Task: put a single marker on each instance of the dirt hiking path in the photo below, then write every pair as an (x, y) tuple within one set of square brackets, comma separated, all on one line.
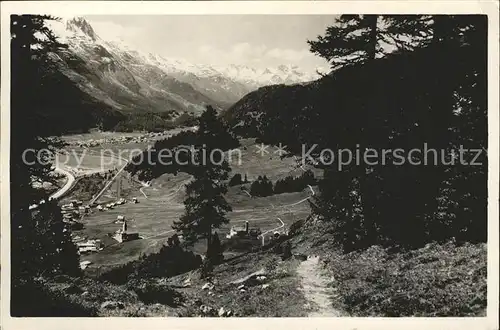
[(315, 289)]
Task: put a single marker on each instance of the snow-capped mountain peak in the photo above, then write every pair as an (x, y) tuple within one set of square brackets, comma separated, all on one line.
[(253, 77), (79, 25), (155, 80)]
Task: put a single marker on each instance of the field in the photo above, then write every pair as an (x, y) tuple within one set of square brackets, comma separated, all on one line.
[(269, 163), (153, 217), (161, 204), (85, 161)]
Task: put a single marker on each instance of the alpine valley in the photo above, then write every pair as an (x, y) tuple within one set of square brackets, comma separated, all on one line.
[(119, 81)]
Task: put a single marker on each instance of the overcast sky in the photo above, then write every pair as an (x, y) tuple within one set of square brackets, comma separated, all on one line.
[(254, 40)]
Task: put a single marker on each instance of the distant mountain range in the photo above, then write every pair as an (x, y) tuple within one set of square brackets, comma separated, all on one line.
[(130, 81)]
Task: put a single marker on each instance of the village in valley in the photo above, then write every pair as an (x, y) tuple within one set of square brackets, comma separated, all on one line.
[(95, 192)]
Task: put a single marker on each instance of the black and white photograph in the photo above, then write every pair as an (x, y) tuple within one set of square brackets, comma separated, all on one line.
[(235, 165)]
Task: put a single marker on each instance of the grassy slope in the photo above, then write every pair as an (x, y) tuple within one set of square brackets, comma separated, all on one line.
[(437, 280), (153, 217), (280, 298), (89, 295)]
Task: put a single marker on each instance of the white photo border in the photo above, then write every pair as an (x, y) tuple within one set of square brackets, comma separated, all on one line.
[(81, 8)]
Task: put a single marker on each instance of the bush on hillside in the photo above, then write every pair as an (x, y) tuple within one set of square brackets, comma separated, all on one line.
[(151, 292), (207, 268), (295, 227), (242, 244)]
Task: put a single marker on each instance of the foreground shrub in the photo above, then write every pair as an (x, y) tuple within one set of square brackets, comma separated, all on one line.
[(242, 244), (151, 292), (35, 299), (169, 261), (437, 280)]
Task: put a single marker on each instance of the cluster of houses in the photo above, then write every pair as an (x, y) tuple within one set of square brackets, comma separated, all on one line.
[(112, 205), (246, 232), (75, 210), (86, 246), (243, 231), (119, 139), (72, 212)]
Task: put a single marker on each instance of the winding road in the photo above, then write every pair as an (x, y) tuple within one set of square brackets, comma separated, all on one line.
[(67, 186), (64, 189), (71, 182), (181, 185)]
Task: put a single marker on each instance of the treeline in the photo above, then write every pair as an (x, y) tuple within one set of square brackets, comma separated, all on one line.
[(179, 148), (147, 121), (430, 91), (292, 184), (263, 187)]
